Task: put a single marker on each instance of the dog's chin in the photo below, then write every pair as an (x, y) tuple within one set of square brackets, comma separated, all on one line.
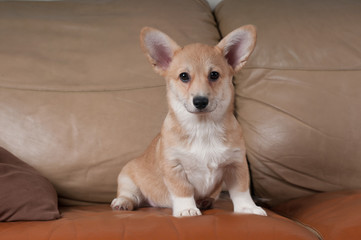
[(196, 111), (200, 112)]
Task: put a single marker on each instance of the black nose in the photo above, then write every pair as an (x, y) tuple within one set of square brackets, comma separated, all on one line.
[(200, 102)]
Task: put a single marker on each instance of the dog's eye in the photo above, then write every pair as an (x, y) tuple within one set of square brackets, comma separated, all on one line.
[(213, 76), (184, 77)]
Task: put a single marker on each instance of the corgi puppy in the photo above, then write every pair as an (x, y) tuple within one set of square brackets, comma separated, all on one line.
[(200, 145)]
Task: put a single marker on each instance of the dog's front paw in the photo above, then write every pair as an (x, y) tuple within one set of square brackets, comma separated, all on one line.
[(187, 212), (122, 203), (250, 210)]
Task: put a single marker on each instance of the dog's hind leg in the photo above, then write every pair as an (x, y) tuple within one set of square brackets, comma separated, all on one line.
[(129, 196)]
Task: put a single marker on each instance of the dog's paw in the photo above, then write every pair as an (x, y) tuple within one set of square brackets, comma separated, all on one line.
[(190, 212), (251, 210), (122, 204)]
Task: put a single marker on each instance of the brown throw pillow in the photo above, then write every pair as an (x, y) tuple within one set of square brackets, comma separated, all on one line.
[(24, 193)]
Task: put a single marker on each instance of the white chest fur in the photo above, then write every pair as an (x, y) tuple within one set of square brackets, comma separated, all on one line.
[(204, 156)]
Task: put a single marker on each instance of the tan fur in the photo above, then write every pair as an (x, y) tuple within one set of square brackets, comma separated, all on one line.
[(167, 174)]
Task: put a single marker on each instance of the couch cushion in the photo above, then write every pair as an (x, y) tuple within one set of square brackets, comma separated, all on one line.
[(25, 194), (78, 98), (100, 222), (298, 98), (334, 215)]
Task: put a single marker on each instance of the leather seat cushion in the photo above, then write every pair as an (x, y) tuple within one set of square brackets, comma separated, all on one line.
[(333, 215), (100, 222)]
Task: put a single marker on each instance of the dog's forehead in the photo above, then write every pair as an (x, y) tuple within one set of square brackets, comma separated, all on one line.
[(200, 54)]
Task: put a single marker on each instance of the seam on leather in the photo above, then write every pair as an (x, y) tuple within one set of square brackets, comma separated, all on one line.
[(69, 90), (303, 225), (309, 228), (303, 69)]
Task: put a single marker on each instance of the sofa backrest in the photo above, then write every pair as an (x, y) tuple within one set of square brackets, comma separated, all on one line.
[(78, 99), (299, 96)]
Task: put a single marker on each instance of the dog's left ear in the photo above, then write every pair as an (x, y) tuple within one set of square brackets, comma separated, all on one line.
[(238, 45), (158, 47)]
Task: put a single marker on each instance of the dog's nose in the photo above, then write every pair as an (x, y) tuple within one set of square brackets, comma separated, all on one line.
[(200, 102)]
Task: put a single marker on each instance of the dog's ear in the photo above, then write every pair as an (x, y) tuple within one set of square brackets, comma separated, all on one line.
[(158, 47), (238, 45)]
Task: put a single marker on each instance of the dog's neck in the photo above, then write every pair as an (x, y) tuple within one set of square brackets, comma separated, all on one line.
[(193, 127)]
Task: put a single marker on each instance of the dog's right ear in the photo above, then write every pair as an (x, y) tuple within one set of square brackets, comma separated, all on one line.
[(158, 47)]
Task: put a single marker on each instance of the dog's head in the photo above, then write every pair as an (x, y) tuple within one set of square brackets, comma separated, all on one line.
[(199, 77)]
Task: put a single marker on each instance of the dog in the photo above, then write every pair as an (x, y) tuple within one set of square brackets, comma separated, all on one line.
[(200, 145)]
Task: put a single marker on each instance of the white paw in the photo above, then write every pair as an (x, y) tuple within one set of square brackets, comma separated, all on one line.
[(251, 210), (122, 204), (187, 212)]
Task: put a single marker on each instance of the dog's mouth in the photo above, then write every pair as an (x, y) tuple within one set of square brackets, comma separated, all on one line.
[(200, 111)]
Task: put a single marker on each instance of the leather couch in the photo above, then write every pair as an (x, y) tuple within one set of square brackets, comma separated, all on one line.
[(78, 100)]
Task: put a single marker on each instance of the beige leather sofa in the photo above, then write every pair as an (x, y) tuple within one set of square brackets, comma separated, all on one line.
[(78, 100)]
